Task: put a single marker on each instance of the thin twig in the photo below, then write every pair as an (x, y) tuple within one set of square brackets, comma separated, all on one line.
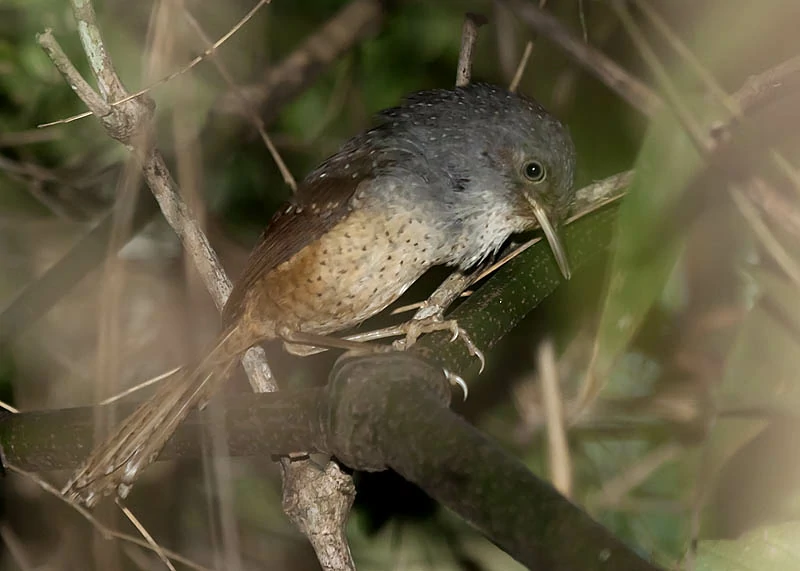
[(523, 62), (582, 16), (291, 76), (130, 123), (764, 86), (8, 407), (469, 36), (74, 79), (326, 533)]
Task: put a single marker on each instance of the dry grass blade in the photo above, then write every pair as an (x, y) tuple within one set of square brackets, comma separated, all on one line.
[(251, 112), (140, 386), (693, 128), (8, 407), (99, 526), (560, 462), (146, 534), (523, 62)]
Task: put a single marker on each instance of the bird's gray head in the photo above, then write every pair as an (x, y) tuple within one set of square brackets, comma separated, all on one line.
[(507, 162)]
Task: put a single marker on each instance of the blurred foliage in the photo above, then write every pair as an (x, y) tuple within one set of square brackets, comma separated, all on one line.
[(707, 317), (773, 548)]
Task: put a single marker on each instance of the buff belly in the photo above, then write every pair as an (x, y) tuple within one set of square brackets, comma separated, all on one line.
[(351, 273)]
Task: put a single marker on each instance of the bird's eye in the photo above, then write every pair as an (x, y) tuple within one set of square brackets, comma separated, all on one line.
[(534, 171)]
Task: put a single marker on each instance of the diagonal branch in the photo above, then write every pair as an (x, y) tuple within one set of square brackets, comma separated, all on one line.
[(130, 122), (633, 90), (281, 83)]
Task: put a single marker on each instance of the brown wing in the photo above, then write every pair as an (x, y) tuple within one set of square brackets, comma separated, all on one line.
[(322, 200)]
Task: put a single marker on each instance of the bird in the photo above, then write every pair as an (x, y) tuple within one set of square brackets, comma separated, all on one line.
[(442, 179)]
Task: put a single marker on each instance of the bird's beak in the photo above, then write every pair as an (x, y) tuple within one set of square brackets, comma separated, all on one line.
[(552, 237)]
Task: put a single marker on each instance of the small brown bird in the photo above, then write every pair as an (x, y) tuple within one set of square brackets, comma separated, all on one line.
[(444, 179)]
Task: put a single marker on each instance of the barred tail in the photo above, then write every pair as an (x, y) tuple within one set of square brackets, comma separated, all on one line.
[(115, 463)]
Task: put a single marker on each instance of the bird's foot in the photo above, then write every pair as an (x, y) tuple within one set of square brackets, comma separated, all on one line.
[(416, 327)]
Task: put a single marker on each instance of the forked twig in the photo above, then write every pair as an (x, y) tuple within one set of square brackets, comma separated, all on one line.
[(102, 64)]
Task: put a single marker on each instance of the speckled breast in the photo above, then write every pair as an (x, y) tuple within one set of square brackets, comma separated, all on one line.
[(351, 273)]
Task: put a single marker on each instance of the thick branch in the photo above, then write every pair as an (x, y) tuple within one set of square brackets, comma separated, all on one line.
[(272, 423), (380, 411), (384, 409)]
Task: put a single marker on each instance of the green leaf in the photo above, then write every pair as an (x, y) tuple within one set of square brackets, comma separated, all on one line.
[(665, 165)]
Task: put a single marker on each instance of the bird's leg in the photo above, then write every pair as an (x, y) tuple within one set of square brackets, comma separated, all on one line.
[(356, 341), (428, 319), (305, 344)]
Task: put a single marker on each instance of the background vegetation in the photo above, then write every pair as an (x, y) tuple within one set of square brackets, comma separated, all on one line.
[(695, 346)]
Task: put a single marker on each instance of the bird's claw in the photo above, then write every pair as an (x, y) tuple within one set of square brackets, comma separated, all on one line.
[(456, 330), (458, 381)]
